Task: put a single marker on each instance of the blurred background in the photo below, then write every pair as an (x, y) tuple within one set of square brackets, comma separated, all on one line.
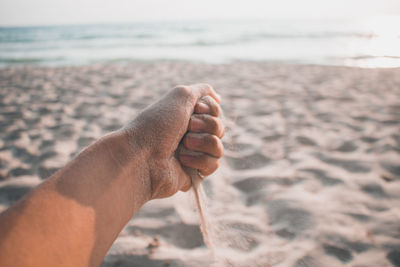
[(311, 94), (362, 33)]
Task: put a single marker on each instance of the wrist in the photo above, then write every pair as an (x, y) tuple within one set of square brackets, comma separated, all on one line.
[(124, 149)]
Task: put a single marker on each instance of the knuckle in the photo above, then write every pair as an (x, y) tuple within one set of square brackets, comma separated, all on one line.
[(212, 167), (222, 133), (182, 90), (217, 147), (207, 86), (214, 125), (219, 129), (217, 110), (213, 140), (220, 149)]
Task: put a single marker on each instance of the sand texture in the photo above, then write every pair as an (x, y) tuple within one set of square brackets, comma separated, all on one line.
[(310, 175)]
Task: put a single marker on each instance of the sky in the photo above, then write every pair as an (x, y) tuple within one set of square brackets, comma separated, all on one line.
[(56, 12)]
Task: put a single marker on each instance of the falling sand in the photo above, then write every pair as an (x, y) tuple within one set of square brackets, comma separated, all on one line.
[(208, 232), (200, 199)]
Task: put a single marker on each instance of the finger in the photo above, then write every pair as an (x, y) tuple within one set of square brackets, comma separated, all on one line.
[(207, 105), (187, 96), (202, 162), (184, 180), (203, 123), (203, 89), (206, 143), (195, 92)]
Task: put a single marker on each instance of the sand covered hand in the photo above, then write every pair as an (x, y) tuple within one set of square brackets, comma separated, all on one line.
[(182, 130)]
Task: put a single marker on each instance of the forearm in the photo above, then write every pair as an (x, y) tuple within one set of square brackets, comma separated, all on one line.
[(74, 217)]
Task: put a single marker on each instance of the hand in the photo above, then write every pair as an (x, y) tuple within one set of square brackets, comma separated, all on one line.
[(84, 206), (182, 130)]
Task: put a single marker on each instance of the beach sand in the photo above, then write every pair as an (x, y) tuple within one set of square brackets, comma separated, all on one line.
[(310, 175)]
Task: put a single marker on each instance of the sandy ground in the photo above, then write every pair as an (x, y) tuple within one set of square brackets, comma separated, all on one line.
[(311, 173)]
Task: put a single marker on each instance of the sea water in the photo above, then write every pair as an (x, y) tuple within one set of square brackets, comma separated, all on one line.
[(370, 42)]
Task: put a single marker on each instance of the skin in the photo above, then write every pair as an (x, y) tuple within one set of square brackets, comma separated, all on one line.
[(73, 218)]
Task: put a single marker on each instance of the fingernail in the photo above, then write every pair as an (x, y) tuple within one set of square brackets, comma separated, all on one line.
[(218, 96)]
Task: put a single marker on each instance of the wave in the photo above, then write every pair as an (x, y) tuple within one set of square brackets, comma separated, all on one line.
[(288, 41), (364, 57), (143, 36), (29, 60), (71, 37), (235, 33), (318, 35)]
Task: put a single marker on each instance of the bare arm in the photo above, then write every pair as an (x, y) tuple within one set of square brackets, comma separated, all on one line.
[(73, 218)]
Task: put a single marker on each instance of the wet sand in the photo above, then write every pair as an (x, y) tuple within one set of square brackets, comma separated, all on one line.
[(311, 171)]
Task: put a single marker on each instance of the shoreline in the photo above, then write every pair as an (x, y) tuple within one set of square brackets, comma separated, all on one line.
[(181, 61)]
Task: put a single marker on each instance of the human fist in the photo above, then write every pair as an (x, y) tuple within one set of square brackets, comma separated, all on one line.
[(181, 130)]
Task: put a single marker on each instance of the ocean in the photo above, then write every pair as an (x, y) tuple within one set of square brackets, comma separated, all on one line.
[(370, 42)]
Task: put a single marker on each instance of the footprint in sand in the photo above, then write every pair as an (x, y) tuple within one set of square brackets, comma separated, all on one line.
[(359, 217), (288, 219), (252, 184), (139, 260), (252, 161), (323, 177), (348, 244), (392, 168), (237, 147), (272, 138), (347, 146), (307, 261), (63, 131), (394, 257), (23, 154), (374, 190), (20, 171), (85, 141), (45, 172), (305, 141), (240, 240), (341, 254), (12, 193), (179, 234), (353, 166), (13, 135), (253, 189), (369, 139)]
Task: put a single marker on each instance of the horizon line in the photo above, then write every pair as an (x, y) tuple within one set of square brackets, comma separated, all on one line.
[(88, 23)]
